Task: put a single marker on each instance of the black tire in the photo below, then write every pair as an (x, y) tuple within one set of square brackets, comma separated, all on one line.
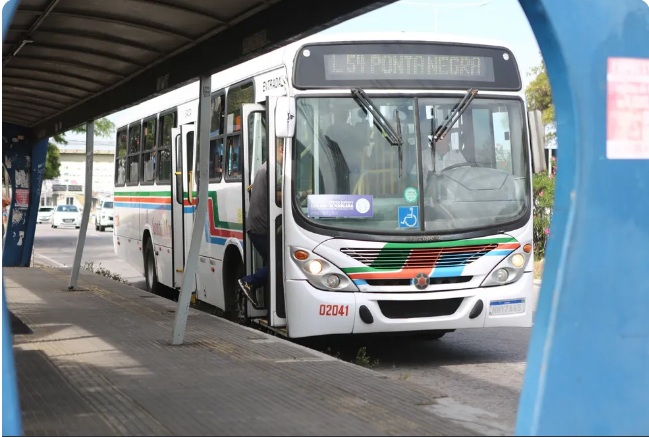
[(236, 304), (102, 228), (150, 272)]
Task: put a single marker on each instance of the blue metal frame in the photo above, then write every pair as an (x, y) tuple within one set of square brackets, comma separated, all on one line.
[(588, 364)]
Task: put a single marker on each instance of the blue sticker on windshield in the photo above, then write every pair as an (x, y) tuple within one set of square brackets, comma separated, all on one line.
[(408, 216)]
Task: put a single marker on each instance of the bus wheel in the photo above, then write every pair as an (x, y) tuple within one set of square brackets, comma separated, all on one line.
[(150, 275), (236, 304)]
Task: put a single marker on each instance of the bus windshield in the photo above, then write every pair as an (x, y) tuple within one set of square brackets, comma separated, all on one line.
[(475, 177)]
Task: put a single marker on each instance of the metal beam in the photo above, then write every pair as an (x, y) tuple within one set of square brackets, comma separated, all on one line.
[(191, 265), (87, 204)]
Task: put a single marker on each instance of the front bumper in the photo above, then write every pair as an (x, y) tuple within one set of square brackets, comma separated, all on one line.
[(316, 312)]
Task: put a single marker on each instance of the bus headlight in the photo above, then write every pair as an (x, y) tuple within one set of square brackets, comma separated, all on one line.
[(500, 275), (509, 270), (517, 260), (320, 273), (314, 266), (333, 281)]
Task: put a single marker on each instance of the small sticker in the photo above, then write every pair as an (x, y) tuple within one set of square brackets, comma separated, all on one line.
[(410, 194), (408, 216)]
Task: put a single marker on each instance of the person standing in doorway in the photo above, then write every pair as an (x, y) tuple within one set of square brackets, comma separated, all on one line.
[(257, 227)]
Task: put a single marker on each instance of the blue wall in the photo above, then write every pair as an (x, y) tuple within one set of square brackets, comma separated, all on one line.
[(25, 162), (11, 421), (588, 364)]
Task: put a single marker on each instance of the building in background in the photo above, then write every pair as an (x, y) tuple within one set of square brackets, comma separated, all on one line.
[(68, 188)]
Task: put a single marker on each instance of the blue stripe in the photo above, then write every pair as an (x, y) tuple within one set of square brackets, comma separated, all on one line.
[(447, 272), (359, 281), (499, 252), (143, 205)]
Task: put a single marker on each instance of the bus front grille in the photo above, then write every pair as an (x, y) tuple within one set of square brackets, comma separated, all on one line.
[(418, 258)]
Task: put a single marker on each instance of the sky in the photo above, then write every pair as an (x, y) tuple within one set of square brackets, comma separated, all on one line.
[(502, 20)]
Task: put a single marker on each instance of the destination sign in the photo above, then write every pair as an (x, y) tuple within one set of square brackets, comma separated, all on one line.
[(405, 65), (357, 66)]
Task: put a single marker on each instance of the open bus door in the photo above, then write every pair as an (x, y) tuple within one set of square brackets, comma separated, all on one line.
[(258, 134), (183, 192)]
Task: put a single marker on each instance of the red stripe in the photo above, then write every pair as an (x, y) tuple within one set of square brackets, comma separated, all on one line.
[(159, 200), (218, 232)]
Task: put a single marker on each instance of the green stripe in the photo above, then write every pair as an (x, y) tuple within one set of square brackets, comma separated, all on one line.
[(144, 193), (457, 243)]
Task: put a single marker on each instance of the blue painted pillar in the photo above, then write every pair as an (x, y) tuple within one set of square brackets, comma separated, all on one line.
[(588, 363), (24, 160), (11, 421)]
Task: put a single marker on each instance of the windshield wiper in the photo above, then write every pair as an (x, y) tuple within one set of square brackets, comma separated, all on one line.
[(393, 137), (454, 115)]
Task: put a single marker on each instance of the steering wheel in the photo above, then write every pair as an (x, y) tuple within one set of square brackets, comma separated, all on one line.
[(461, 164)]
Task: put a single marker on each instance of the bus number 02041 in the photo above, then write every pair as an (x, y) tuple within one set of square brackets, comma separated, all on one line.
[(334, 310)]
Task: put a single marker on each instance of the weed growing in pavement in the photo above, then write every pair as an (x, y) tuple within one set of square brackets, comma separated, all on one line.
[(364, 360), (102, 271)]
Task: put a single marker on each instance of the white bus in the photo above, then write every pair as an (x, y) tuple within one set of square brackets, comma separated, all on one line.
[(415, 154)]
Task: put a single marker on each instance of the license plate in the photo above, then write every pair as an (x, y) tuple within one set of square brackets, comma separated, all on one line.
[(68, 220), (501, 307)]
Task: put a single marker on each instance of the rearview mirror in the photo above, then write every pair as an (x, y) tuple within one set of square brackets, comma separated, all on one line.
[(285, 117), (537, 139)]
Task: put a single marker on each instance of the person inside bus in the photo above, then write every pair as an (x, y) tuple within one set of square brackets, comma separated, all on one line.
[(341, 136), (446, 154), (257, 223)]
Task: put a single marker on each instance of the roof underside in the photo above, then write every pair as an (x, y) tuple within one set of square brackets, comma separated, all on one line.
[(66, 62)]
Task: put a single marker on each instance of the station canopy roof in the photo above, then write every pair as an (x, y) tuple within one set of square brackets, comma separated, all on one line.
[(66, 62)]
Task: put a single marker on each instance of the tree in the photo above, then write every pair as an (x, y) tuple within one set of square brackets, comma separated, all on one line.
[(103, 128), (539, 97), (52, 162)]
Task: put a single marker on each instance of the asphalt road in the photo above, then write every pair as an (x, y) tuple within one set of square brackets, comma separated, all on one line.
[(480, 370)]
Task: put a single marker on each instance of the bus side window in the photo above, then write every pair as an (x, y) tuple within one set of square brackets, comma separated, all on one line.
[(167, 122), (216, 159), (120, 157), (134, 148), (234, 157)]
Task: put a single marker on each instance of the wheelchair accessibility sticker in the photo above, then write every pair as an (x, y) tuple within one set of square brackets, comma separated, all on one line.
[(408, 216)]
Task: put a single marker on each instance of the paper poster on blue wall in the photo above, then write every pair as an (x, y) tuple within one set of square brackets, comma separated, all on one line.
[(408, 216)]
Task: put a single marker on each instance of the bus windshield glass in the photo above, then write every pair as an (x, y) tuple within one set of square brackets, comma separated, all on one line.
[(475, 177)]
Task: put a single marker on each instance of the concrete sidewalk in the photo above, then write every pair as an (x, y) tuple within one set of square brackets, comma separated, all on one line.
[(100, 362)]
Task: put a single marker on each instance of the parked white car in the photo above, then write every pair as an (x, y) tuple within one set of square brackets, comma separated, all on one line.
[(66, 215), (44, 214), (104, 214)]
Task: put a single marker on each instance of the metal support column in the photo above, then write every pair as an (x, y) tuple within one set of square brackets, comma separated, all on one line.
[(191, 264), (87, 204)]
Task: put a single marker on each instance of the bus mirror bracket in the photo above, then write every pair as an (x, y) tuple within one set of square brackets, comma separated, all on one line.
[(285, 117)]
